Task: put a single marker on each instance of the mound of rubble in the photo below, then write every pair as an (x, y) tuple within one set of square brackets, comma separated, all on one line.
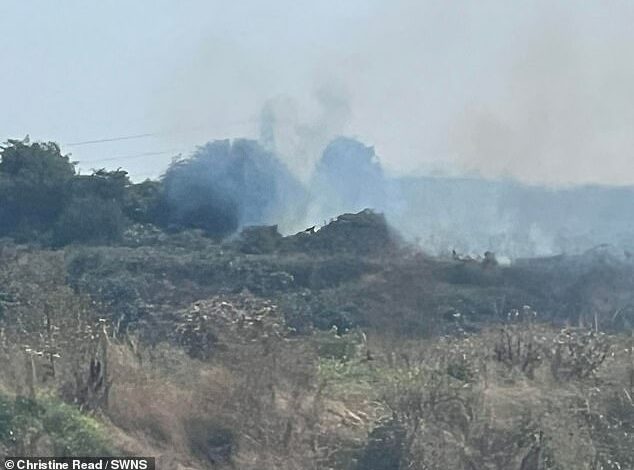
[(363, 233)]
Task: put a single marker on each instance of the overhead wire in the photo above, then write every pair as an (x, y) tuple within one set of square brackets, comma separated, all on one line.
[(136, 137), (111, 139), (144, 135), (133, 156), (153, 134)]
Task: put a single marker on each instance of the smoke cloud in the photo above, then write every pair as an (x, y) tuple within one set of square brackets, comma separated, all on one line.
[(532, 97), (562, 113), (298, 133), (347, 178), (227, 185)]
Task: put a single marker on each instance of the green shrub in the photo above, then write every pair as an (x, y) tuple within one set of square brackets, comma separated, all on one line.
[(90, 219), (26, 423), (341, 348)]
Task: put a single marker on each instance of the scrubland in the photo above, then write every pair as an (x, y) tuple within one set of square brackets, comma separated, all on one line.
[(343, 349)]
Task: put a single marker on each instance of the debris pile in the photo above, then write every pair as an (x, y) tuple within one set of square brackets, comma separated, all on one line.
[(366, 232)]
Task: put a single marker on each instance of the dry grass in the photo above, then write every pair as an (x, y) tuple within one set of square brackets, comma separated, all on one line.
[(261, 398)]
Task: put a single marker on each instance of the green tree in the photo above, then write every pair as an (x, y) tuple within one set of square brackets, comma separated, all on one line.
[(102, 184), (34, 181), (94, 213)]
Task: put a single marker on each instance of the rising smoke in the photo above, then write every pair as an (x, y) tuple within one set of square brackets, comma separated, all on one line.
[(562, 111), (227, 185), (298, 133), (532, 104), (347, 178)]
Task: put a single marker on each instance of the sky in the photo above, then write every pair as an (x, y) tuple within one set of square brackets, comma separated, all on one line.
[(537, 91)]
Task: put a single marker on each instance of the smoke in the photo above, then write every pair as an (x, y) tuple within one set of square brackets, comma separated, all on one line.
[(340, 174), (532, 98), (516, 220), (227, 185), (347, 178), (562, 112), (299, 133)]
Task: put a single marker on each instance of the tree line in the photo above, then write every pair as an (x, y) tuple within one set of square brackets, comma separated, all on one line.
[(222, 186)]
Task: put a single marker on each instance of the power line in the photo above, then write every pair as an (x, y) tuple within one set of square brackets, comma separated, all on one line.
[(143, 136), (154, 134), (133, 156), (111, 139)]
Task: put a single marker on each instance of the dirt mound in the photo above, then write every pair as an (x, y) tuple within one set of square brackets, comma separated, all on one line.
[(365, 232)]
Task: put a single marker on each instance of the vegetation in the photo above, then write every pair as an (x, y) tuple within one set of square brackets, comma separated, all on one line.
[(339, 349), (222, 187), (34, 181), (49, 427), (43, 200)]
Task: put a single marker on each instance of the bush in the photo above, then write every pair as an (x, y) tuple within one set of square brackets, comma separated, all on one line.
[(385, 447), (210, 442), (90, 219), (102, 184), (340, 348), (143, 203), (33, 187), (30, 426), (259, 239), (330, 318)]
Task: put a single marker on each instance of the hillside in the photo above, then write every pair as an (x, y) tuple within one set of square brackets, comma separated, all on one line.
[(339, 348)]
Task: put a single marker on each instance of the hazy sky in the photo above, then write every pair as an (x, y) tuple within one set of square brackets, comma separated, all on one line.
[(541, 91)]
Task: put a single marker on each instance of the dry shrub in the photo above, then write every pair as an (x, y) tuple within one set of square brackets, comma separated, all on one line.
[(277, 402), (253, 402), (50, 335), (578, 353), (153, 403), (470, 404), (521, 344)]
